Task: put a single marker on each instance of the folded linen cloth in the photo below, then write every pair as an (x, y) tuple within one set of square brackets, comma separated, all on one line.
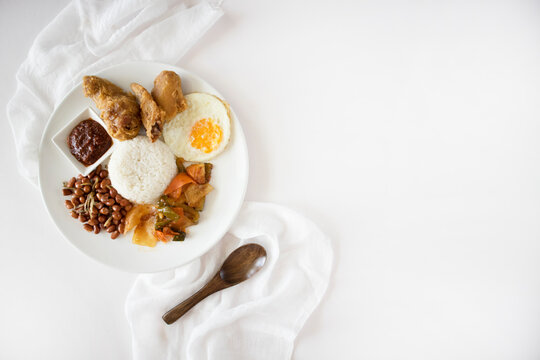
[(87, 36), (257, 319)]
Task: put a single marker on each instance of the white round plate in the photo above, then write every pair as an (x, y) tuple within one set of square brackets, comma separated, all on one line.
[(229, 179)]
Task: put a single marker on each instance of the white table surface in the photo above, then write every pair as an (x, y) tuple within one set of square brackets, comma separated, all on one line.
[(409, 131)]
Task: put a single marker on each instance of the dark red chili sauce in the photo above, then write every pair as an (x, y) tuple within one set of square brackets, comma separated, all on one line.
[(88, 141)]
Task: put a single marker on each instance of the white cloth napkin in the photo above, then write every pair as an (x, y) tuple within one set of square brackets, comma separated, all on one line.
[(257, 319), (87, 36)]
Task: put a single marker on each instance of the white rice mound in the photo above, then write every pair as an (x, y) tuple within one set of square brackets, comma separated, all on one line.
[(141, 170)]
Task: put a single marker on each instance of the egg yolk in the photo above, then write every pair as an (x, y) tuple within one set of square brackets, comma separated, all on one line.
[(205, 135)]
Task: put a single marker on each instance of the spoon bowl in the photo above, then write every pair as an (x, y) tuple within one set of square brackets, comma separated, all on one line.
[(242, 263), (239, 266)]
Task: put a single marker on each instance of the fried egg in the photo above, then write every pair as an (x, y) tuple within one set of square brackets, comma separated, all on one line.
[(200, 132)]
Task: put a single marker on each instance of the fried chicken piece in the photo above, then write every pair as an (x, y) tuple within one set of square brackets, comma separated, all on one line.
[(168, 94), (119, 110), (152, 115)]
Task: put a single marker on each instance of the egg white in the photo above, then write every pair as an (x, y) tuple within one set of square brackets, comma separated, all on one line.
[(176, 132)]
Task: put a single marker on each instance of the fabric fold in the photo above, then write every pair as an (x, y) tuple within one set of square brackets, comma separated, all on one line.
[(257, 319)]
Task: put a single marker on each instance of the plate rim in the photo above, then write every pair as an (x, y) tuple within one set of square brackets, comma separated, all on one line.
[(209, 245)]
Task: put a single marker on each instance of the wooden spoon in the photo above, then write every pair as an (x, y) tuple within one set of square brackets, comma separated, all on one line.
[(240, 265)]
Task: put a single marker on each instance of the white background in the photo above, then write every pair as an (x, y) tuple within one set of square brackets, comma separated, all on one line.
[(409, 131)]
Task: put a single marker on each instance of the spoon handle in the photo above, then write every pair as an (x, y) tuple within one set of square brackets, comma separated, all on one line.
[(214, 285)]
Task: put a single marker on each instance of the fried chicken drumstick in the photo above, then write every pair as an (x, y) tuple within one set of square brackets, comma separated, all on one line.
[(168, 94), (152, 115), (119, 110)]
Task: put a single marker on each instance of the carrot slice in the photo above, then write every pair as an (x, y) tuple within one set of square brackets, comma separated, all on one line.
[(177, 183), (168, 231), (177, 195), (161, 236), (197, 173), (166, 234)]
